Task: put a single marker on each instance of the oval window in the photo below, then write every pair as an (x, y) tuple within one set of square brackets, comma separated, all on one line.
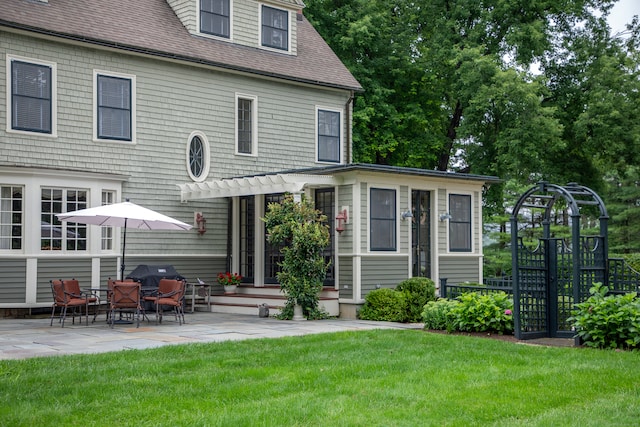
[(198, 156)]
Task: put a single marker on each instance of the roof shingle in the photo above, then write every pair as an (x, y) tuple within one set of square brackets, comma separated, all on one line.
[(151, 27)]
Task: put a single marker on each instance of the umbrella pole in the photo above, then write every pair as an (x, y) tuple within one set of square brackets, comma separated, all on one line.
[(124, 245)]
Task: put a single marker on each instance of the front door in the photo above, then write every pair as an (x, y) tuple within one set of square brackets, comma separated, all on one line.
[(421, 233)]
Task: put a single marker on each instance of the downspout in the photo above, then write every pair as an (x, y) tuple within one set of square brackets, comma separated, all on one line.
[(349, 127)]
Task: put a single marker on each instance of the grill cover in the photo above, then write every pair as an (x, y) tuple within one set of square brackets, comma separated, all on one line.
[(150, 275)]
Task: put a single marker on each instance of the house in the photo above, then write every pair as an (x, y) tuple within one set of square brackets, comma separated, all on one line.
[(205, 110)]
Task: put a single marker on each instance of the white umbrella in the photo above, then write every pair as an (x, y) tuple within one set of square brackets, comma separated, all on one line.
[(126, 215)]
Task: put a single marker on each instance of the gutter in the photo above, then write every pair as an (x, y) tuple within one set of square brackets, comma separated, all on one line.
[(166, 55)]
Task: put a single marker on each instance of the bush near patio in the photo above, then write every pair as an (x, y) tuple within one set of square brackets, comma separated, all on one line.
[(404, 304), (384, 305), (608, 321), (471, 312)]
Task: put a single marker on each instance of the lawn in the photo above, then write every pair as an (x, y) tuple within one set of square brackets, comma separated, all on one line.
[(366, 378)]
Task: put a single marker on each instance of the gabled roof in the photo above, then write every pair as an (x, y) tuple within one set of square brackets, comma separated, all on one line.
[(151, 27)]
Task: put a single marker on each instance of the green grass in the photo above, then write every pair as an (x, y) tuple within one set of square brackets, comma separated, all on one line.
[(367, 378)]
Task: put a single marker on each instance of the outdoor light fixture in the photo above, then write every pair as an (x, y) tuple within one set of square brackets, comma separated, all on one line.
[(445, 216), (406, 215), (341, 219), (202, 223)]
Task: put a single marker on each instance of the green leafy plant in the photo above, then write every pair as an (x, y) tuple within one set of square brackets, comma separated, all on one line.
[(608, 321), (303, 231), (384, 305), (484, 313), (417, 291), (439, 314)]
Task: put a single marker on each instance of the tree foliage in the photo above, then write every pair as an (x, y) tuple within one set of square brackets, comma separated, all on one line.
[(521, 90), (525, 91)]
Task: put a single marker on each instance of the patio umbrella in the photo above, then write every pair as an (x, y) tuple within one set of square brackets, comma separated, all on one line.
[(126, 215)]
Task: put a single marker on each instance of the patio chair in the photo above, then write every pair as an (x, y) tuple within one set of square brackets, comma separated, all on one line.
[(125, 298), (65, 300), (170, 293), (73, 286)]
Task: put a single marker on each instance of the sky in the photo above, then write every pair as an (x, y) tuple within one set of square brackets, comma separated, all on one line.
[(622, 13)]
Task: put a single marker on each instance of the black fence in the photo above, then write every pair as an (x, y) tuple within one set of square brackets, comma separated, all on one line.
[(622, 279)]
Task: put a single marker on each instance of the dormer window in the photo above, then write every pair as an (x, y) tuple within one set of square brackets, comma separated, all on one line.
[(275, 28), (215, 17)]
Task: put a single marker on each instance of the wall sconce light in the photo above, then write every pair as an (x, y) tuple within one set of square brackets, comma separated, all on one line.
[(406, 215), (201, 222), (445, 216), (341, 219)]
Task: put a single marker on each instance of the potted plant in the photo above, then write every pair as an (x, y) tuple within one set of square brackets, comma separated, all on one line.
[(230, 281)]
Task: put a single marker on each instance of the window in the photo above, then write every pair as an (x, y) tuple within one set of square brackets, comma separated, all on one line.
[(115, 107), (198, 156), (215, 17), (328, 126), (382, 219), (460, 223), (275, 28), (54, 234), (108, 198), (32, 105), (246, 124), (11, 217)]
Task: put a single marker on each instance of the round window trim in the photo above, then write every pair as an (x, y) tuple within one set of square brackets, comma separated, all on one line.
[(198, 145)]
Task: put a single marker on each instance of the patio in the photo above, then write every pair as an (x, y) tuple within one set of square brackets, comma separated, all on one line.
[(25, 338)]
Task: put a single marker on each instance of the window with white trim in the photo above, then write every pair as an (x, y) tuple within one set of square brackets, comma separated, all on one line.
[(275, 28), (460, 223), (198, 156), (215, 17), (106, 240), (114, 106), (31, 98), (246, 124), (382, 219), (56, 235), (11, 217), (328, 135)]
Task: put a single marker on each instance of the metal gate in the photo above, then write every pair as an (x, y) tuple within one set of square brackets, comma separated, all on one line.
[(550, 278)]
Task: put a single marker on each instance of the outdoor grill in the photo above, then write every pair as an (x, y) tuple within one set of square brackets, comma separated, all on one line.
[(150, 275)]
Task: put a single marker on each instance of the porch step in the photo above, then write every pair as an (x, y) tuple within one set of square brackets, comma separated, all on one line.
[(248, 298)]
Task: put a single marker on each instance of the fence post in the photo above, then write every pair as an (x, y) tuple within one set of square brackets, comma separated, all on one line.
[(443, 287)]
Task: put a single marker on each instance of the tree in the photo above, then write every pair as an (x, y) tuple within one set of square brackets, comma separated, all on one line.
[(305, 234), (448, 86)]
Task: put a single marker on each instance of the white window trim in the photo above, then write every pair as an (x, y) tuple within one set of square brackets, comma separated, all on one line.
[(207, 156), (342, 131), (213, 36), (254, 124), (472, 206), (289, 29), (95, 106), (54, 95), (378, 186)]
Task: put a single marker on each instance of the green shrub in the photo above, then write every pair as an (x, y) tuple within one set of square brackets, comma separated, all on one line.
[(484, 313), (417, 291), (385, 305), (608, 321), (438, 314)]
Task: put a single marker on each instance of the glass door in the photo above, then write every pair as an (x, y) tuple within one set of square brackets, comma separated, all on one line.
[(421, 233)]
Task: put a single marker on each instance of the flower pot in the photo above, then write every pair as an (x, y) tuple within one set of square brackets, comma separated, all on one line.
[(297, 312), (230, 289)]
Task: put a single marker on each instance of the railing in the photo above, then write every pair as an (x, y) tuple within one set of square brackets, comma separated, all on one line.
[(622, 279), (492, 284)]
